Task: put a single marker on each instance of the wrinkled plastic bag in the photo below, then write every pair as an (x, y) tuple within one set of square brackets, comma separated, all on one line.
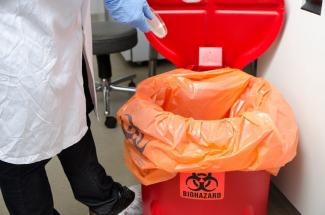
[(216, 121)]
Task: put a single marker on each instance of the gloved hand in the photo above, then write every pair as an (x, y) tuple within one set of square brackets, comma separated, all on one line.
[(132, 12)]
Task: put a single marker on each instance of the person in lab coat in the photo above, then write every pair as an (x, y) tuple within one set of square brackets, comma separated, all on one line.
[(46, 91)]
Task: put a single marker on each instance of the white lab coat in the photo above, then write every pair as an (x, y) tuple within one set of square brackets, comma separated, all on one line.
[(42, 102)]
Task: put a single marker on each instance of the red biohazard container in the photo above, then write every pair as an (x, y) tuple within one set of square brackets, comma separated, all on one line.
[(203, 35), (243, 193)]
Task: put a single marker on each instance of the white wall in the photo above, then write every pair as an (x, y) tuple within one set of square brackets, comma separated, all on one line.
[(296, 66)]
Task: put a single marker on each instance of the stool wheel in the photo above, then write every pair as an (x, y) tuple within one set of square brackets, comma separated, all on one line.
[(111, 122), (132, 84)]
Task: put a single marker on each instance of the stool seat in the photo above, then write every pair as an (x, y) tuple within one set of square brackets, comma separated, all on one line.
[(111, 37)]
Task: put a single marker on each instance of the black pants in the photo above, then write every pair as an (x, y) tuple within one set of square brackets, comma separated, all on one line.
[(26, 189)]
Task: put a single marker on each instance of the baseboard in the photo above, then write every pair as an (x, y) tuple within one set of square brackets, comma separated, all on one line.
[(279, 204)]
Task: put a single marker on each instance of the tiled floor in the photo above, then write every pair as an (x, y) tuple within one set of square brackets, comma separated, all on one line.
[(110, 152)]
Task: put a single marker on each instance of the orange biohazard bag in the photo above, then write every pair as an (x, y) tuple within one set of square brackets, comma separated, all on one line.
[(215, 121)]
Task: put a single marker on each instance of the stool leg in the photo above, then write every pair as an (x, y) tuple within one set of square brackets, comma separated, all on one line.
[(153, 55), (105, 73), (104, 66), (106, 97)]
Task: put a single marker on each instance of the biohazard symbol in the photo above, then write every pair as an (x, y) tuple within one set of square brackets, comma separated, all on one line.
[(202, 181), (133, 134)]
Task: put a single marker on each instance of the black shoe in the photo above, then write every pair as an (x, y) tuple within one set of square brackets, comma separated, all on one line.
[(125, 198)]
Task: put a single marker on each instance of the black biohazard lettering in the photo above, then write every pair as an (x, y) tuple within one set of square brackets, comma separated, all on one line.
[(205, 195), (133, 134), (218, 195), (202, 182)]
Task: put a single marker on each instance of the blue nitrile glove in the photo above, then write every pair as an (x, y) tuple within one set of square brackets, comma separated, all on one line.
[(132, 12)]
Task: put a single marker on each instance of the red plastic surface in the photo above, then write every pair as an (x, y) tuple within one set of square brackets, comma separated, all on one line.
[(246, 193), (244, 29)]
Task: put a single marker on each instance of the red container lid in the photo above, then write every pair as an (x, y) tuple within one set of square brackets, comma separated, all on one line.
[(242, 29)]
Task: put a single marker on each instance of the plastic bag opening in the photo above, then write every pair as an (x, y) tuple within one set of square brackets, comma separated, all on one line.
[(219, 120)]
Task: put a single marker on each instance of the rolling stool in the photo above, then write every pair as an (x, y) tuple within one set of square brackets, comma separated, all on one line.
[(111, 37)]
